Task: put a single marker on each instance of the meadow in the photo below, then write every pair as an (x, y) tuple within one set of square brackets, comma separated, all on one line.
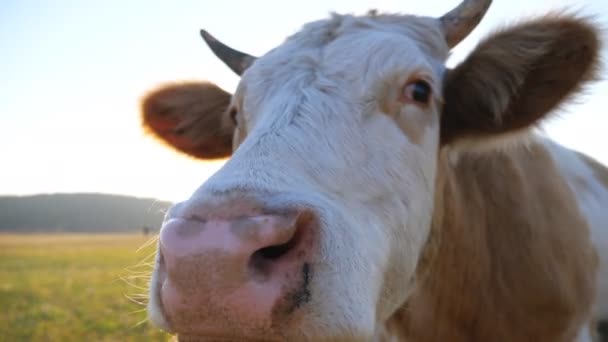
[(80, 287)]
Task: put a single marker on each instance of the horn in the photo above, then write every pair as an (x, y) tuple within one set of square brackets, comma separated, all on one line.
[(459, 22), (235, 60)]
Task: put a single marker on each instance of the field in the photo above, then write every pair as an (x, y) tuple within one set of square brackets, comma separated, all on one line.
[(74, 288)]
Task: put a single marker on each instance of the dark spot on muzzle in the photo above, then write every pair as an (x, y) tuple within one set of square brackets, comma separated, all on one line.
[(301, 295), (298, 296)]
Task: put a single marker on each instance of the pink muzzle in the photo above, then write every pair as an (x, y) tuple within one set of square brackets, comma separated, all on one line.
[(236, 276)]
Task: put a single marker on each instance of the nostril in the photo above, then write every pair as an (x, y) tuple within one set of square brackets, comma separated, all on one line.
[(275, 252), (263, 259)]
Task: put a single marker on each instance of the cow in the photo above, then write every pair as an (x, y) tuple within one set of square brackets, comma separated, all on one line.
[(373, 194)]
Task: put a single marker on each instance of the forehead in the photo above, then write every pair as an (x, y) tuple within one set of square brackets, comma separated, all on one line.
[(351, 49)]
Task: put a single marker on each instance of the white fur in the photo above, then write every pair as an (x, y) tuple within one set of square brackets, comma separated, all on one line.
[(592, 197)]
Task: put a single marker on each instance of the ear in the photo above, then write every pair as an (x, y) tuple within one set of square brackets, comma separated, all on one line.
[(190, 117), (517, 76)]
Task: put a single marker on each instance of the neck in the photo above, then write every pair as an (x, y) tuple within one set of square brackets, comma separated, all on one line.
[(494, 266)]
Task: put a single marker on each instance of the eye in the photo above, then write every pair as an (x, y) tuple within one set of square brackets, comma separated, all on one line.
[(233, 113), (418, 91)]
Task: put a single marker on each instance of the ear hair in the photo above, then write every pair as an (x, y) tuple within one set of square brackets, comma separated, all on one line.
[(190, 117), (517, 76)]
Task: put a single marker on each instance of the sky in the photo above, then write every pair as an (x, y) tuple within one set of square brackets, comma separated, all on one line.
[(72, 74)]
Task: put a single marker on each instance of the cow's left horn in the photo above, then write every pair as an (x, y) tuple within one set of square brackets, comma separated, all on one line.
[(459, 22), (235, 60)]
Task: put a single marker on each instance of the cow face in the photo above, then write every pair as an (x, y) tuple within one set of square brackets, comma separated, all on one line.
[(314, 227), (336, 150)]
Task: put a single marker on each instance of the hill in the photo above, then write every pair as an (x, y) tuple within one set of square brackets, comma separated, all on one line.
[(94, 213)]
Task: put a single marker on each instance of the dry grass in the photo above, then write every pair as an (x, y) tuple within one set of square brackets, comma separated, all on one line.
[(74, 288)]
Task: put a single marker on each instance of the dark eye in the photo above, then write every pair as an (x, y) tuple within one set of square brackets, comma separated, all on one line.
[(419, 91), (233, 113)]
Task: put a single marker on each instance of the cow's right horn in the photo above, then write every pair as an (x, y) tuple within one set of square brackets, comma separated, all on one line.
[(459, 22)]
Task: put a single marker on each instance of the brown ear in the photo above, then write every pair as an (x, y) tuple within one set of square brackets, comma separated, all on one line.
[(517, 76), (190, 117)]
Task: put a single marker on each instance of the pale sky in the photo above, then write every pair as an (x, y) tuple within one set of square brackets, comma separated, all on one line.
[(72, 74)]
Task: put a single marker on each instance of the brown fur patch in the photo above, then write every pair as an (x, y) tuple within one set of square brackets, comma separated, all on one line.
[(190, 117), (517, 76), (510, 256)]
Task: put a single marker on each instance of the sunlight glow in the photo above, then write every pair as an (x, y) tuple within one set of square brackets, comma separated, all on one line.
[(73, 74)]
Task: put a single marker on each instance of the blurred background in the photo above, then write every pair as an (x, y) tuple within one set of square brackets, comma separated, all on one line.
[(73, 159)]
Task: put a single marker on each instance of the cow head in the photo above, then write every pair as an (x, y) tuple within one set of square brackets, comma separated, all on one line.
[(315, 226)]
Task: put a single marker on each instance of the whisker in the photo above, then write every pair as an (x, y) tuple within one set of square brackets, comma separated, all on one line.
[(137, 311), (148, 243), (134, 300), (139, 323), (132, 284)]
